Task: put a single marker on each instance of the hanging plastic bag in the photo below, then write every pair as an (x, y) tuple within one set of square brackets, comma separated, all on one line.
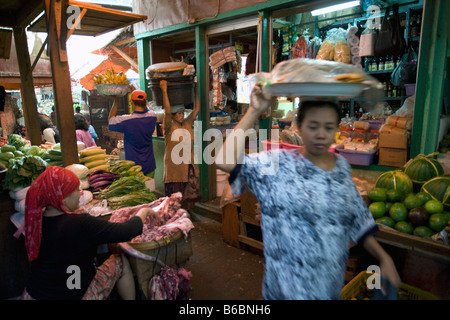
[(384, 44), (300, 48), (406, 70), (367, 42), (327, 50), (313, 47), (398, 40)]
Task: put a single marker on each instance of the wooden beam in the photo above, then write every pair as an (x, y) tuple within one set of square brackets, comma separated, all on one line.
[(36, 59), (62, 93), (27, 89), (125, 41), (125, 56), (29, 12)]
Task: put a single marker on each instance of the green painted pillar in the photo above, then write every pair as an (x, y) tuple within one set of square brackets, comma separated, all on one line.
[(144, 60), (203, 116), (430, 77), (266, 58)]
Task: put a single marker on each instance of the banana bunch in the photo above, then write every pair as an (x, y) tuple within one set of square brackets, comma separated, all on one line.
[(111, 77), (94, 158)]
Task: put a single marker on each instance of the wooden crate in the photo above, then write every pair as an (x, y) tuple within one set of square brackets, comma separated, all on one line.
[(236, 218)]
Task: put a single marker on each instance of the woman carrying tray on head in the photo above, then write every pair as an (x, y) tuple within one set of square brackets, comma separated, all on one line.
[(310, 207), (180, 177), (62, 244)]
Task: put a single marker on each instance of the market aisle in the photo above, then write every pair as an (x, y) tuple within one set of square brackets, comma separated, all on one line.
[(220, 271)]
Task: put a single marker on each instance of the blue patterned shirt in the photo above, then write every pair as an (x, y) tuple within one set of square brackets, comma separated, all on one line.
[(308, 218)]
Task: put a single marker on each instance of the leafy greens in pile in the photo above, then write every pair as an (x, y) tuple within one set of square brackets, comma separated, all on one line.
[(127, 191), (23, 171)]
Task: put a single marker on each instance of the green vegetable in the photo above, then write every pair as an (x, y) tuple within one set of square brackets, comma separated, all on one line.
[(6, 155), (23, 171), (18, 153), (16, 140), (132, 199), (33, 151), (8, 147), (122, 187)]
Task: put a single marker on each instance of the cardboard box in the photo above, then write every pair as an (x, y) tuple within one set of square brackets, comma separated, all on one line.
[(390, 140), (392, 157)]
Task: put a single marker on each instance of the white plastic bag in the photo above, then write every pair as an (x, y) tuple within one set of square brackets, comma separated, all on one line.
[(21, 194), (100, 209), (19, 206)]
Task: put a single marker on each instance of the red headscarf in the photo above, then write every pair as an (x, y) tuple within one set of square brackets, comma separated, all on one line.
[(50, 188)]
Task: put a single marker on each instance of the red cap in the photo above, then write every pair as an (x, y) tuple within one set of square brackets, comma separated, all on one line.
[(138, 95)]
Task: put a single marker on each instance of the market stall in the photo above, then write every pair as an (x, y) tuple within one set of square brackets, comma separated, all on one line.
[(113, 189)]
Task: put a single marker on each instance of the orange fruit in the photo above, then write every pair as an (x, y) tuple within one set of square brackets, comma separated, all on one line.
[(404, 226), (433, 206), (412, 201), (387, 221), (423, 196), (377, 195), (423, 232), (437, 222), (398, 212), (393, 195), (378, 209)]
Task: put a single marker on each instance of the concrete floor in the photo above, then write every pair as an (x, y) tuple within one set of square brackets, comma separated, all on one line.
[(220, 271)]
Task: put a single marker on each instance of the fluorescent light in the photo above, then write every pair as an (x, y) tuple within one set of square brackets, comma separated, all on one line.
[(336, 7)]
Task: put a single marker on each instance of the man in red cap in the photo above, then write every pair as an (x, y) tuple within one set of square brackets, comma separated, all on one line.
[(137, 128)]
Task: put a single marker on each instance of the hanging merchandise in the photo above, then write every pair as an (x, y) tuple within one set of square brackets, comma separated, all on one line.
[(286, 41), (289, 35), (300, 48), (367, 42), (313, 47), (406, 70), (335, 47), (217, 88), (390, 39), (398, 39), (222, 56), (353, 43)]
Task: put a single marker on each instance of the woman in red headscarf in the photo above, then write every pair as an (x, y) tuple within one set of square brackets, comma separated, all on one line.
[(62, 246)]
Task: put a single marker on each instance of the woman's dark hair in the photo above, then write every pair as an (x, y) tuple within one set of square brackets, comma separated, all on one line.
[(305, 106), (81, 123), (45, 122)]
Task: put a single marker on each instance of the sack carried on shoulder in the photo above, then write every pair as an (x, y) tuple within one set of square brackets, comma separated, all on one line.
[(406, 70)]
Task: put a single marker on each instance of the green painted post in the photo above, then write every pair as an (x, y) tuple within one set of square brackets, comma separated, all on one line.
[(202, 90), (266, 59), (430, 78), (145, 58)]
